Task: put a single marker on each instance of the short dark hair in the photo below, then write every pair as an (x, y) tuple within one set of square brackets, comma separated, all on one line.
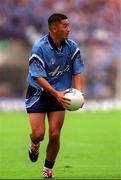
[(55, 18)]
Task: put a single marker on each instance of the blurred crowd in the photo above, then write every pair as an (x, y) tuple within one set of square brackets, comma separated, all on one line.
[(95, 26), (89, 19)]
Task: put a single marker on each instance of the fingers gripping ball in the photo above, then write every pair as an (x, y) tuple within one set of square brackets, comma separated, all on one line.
[(77, 99)]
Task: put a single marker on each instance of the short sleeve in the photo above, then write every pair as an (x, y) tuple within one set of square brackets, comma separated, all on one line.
[(36, 69), (78, 64), (76, 58), (36, 62)]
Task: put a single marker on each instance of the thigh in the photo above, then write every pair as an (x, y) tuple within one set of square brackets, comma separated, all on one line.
[(37, 121), (55, 119)]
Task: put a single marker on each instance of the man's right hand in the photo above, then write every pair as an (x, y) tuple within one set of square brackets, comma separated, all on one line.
[(62, 99)]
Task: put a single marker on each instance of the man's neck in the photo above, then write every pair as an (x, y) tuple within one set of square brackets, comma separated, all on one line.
[(57, 41)]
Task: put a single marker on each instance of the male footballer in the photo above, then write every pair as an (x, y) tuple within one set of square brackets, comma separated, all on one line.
[(55, 62)]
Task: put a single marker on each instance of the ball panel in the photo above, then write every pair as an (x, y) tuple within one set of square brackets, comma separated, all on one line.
[(77, 99)]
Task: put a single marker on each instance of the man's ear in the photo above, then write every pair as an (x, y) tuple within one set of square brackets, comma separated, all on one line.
[(54, 28)]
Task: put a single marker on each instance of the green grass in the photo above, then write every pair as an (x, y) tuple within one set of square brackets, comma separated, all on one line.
[(90, 147)]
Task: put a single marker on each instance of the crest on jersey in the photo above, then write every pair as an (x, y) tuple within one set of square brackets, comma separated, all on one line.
[(52, 61)]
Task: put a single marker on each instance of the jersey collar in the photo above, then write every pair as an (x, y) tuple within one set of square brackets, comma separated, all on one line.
[(53, 45)]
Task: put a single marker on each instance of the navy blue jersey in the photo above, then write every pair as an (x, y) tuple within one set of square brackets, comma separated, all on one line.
[(57, 66)]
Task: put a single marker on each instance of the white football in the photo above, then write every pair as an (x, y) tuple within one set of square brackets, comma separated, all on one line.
[(77, 99)]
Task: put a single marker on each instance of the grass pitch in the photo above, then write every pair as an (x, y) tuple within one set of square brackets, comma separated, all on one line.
[(90, 147)]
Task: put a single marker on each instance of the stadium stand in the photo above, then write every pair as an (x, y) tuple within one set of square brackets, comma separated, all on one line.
[(95, 26)]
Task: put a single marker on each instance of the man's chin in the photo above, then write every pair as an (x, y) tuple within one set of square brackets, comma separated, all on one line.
[(66, 37)]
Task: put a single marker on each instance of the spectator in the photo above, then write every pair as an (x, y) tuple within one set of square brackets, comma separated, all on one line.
[(95, 26)]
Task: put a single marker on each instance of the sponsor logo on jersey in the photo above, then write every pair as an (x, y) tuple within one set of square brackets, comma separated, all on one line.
[(57, 71)]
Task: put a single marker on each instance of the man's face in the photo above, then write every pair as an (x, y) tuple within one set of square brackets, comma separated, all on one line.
[(62, 29)]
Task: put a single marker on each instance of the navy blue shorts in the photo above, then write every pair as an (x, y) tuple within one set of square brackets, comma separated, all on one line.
[(41, 102)]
